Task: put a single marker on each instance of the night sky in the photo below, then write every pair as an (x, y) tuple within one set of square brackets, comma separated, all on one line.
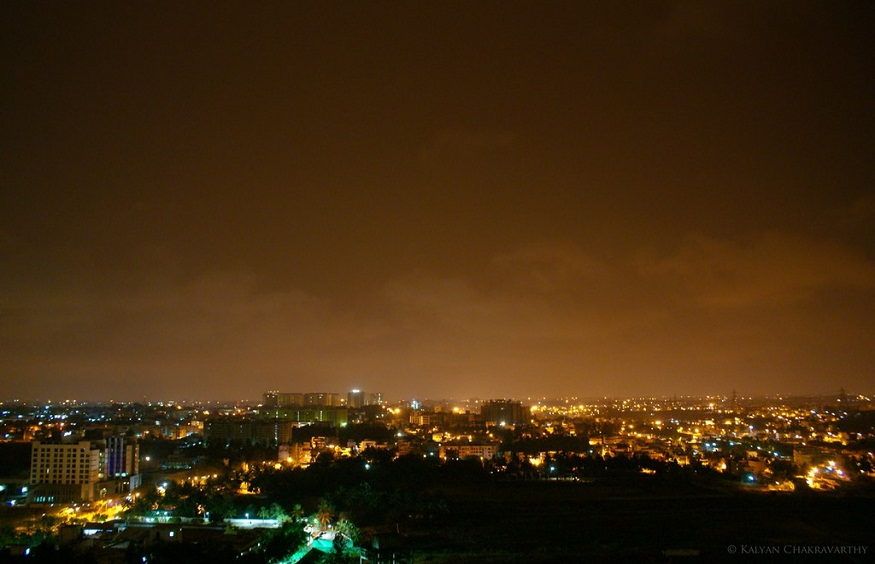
[(436, 199)]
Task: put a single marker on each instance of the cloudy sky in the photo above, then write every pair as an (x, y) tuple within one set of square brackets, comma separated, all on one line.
[(442, 199)]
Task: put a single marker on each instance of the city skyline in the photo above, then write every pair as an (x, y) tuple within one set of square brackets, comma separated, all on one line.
[(841, 395), (454, 200)]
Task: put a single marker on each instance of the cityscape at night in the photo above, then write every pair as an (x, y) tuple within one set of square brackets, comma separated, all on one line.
[(451, 281), (353, 477)]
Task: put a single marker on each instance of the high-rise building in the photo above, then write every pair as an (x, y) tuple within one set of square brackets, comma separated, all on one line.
[(63, 473), (355, 399), (315, 399), (502, 412), (282, 399), (273, 425), (321, 399), (122, 457), (358, 399), (294, 399), (271, 432)]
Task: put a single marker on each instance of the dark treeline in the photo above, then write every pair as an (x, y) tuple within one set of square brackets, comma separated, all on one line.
[(371, 490), (375, 489)]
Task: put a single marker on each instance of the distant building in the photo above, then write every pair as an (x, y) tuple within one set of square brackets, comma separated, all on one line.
[(248, 431), (503, 412), (460, 451), (422, 419), (122, 457), (270, 399), (282, 399), (320, 399), (63, 473), (274, 426), (334, 416), (355, 399), (122, 464)]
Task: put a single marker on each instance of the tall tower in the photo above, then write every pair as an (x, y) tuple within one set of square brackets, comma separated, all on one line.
[(270, 399), (502, 412), (355, 399), (122, 458)]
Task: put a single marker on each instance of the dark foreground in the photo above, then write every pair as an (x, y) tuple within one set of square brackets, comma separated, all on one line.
[(633, 519)]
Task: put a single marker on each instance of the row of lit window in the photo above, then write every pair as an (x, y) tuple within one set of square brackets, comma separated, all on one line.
[(56, 466)]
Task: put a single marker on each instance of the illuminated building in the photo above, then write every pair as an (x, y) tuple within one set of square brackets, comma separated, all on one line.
[(274, 426), (298, 399), (461, 451), (317, 399), (122, 458), (282, 399), (122, 464), (63, 473), (355, 399), (502, 412), (270, 399)]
